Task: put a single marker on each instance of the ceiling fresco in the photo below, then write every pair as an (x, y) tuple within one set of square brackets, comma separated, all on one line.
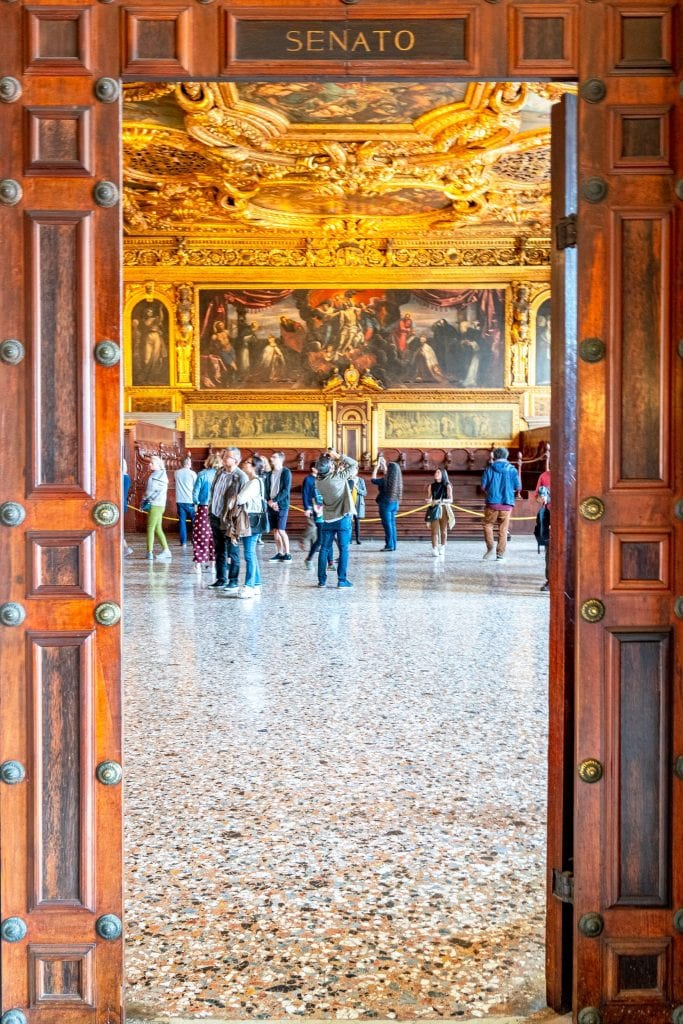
[(379, 159)]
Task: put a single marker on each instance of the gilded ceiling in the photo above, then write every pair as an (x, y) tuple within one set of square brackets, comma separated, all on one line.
[(371, 159)]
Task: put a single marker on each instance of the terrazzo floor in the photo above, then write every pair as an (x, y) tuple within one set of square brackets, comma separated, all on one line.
[(336, 801)]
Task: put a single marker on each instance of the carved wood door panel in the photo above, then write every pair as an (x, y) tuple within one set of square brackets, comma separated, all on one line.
[(60, 799), (60, 569), (629, 802)]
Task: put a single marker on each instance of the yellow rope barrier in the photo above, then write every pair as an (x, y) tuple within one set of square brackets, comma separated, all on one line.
[(421, 508), (399, 515), (170, 519)]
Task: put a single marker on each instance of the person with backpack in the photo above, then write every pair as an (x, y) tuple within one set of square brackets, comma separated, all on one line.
[(500, 483), (542, 530)]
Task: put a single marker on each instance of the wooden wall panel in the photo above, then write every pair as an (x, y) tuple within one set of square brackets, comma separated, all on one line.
[(61, 682), (544, 40), (60, 564), (638, 817), (157, 40), (639, 970), (61, 976), (58, 141), (59, 261), (640, 343), (641, 140), (57, 38), (641, 39)]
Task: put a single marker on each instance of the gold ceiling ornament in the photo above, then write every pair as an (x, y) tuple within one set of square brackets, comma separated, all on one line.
[(208, 158), (137, 92)]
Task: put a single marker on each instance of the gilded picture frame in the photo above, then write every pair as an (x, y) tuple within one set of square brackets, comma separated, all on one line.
[(263, 425), (303, 337), (451, 425), (149, 339)]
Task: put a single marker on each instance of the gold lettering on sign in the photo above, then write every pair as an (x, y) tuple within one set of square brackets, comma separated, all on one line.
[(410, 42), (294, 37), (314, 40), (382, 32)]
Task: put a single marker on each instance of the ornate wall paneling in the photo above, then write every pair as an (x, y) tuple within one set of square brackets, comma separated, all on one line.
[(60, 649), (628, 695), (60, 652)]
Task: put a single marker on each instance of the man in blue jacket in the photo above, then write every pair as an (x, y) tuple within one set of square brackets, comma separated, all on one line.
[(500, 483)]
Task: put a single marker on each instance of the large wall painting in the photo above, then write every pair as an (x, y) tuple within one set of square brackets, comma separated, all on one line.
[(149, 333), (290, 339), (446, 425), (542, 374), (263, 426)]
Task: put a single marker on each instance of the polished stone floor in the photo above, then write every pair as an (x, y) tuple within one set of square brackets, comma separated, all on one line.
[(336, 799)]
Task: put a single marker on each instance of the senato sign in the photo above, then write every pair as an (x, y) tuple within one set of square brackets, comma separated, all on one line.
[(359, 40)]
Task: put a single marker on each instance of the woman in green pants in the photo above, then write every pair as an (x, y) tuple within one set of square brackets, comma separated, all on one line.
[(157, 488)]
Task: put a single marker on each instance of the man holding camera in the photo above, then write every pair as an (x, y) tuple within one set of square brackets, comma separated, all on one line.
[(334, 473)]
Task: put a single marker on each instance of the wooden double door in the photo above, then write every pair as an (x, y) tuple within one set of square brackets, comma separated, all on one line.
[(616, 766)]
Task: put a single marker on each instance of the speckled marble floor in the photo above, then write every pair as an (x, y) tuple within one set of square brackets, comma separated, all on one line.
[(336, 800)]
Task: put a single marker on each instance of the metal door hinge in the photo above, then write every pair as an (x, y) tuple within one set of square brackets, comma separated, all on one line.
[(563, 885), (565, 232)]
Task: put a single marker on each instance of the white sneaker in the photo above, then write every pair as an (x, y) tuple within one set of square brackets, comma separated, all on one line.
[(435, 552), (489, 553), (246, 593), (164, 556), (442, 551)]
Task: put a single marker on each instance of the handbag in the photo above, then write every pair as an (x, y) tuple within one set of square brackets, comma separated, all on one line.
[(145, 504), (433, 514), (259, 520)]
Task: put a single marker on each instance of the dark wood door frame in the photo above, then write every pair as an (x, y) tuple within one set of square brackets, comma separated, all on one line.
[(60, 193)]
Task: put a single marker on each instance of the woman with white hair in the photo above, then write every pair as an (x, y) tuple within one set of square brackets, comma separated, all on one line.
[(155, 504)]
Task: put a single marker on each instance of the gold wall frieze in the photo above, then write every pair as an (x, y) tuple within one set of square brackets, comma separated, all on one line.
[(143, 254)]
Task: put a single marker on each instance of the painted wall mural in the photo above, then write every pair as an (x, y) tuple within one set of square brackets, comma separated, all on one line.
[(446, 424), (270, 425), (150, 343), (286, 339)]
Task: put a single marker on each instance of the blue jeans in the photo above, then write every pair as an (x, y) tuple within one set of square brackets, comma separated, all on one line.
[(226, 552), (340, 531), (253, 575), (185, 512), (387, 513)]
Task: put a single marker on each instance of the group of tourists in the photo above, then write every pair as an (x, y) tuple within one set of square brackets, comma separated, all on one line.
[(227, 507)]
